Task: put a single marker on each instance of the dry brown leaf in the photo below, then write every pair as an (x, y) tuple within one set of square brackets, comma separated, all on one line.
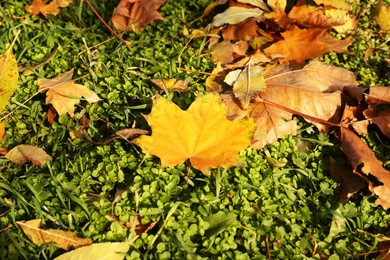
[(363, 160), (312, 16), (139, 227), (302, 44), (350, 183), (201, 134), (25, 152), (63, 93), (177, 85), (61, 239), (45, 8), (243, 31), (132, 15), (227, 52), (297, 92)]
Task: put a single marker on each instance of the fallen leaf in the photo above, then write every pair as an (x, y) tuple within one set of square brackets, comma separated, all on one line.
[(132, 15), (383, 16), (61, 239), (51, 115), (338, 4), (211, 8), (2, 131), (301, 44), (99, 251), (349, 22), (201, 134), (246, 83), (127, 134), (227, 52), (177, 85), (8, 77), (244, 31), (312, 16), (350, 183), (45, 8), (258, 3), (274, 3), (63, 93), (235, 15), (25, 152), (139, 227), (299, 92), (363, 160)]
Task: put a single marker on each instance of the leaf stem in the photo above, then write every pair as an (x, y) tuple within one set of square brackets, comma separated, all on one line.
[(105, 24)]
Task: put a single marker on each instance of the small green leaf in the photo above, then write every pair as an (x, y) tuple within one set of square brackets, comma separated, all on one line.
[(219, 222)]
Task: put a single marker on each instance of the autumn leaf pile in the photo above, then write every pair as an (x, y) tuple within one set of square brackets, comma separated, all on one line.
[(267, 80)]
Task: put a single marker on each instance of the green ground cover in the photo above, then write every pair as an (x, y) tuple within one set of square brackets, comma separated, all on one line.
[(271, 211)]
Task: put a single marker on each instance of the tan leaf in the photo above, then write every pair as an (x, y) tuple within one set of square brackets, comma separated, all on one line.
[(8, 77), (201, 134), (227, 52), (258, 3), (61, 239), (177, 85), (63, 93), (302, 44), (25, 152), (45, 8), (349, 21), (235, 14), (363, 160), (139, 227), (338, 4), (215, 80), (132, 15)]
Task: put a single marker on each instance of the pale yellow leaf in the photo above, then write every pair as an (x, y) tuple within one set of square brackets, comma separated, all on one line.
[(8, 77)]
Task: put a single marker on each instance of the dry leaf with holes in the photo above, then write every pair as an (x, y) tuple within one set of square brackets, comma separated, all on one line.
[(63, 93), (60, 238), (46, 7), (132, 15), (201, 134)]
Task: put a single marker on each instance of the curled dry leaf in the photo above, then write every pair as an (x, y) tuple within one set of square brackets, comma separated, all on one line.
[(25, 152), (8, 77), (201, 134), (45, 8), (363, 160), (61, 239), (132, 15), (63, 93)]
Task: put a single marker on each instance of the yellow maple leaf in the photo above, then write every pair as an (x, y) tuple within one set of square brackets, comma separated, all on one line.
[(63, 93), (201, 134), (383, 16)]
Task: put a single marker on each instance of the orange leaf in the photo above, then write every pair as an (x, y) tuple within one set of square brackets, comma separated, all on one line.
[(227, 52), (132, 15), (243, 31), (25, 152), (363, 159), (61, 239), (64, 94), (302, 44), (2, 131), (41, 6), (201, 134)]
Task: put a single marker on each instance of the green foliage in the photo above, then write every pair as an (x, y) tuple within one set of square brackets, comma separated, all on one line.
[(280, 202)]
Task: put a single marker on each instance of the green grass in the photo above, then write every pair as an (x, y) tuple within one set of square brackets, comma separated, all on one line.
[(287, 212)]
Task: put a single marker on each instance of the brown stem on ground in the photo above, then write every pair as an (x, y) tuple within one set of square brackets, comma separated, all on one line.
[(105, 24)]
